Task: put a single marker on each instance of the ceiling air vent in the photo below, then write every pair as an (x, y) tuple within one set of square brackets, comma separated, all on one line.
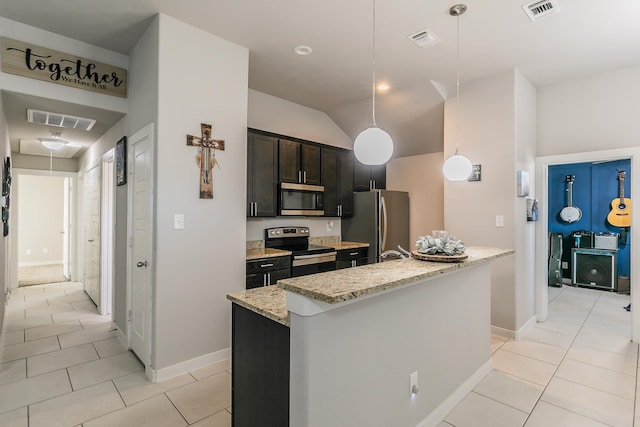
[(540, 9), (60, 120), (425, 38)]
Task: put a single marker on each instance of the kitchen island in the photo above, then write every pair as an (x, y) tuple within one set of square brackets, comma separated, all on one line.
[(338, 348)]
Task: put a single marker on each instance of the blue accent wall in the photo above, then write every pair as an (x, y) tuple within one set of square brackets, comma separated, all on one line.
[(594, 187)]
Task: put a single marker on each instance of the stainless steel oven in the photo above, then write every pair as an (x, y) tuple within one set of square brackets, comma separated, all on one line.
[(306, 258), (301, 199)]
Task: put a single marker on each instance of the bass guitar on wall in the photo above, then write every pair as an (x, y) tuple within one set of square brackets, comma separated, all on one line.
[(620, 215)]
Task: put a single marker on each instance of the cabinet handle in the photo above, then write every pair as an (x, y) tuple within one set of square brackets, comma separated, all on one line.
[(269, 280), (266, 265), (255, 208), (304, 177), (370, 184), (353, 263), (300, 177), (264, 280), (353, 253)]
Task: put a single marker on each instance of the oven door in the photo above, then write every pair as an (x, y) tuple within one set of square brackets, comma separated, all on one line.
[(301, 199), (303, 265)]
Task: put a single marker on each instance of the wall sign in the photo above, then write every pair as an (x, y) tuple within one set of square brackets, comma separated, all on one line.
[(27, 60)]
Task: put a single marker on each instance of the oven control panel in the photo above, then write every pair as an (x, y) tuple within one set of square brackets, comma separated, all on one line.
[(279, 232)]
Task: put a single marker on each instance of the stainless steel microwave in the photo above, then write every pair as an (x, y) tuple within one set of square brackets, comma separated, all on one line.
[(301, 199)]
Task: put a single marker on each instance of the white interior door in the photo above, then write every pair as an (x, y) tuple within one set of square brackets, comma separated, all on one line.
[(106, 238), (66, 230), (141, 238), (92, 234)]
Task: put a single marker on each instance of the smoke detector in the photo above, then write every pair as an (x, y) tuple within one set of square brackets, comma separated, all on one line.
[(425, 38), (60, 120), (541, 9)]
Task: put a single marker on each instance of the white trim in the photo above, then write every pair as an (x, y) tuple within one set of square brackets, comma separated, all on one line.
[(120, 334), (173, 371), (514, 335), (542, 226), (443, 409), (38, 263)]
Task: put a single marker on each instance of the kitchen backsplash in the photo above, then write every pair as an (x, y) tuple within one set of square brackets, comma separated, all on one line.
[(319, 228)]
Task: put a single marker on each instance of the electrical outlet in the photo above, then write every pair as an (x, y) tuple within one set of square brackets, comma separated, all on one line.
[(565, 265), (28, 251), (45, 251), (178, 221), (413, 384), (499, 221)]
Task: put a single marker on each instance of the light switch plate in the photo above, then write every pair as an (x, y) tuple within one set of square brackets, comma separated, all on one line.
[(178, 221), (499, 221)]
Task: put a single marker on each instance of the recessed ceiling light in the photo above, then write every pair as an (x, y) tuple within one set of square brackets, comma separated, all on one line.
[(383, 87), (303, 50)]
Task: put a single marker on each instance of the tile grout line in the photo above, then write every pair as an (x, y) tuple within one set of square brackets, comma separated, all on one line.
[(176, 408), (561, 360)]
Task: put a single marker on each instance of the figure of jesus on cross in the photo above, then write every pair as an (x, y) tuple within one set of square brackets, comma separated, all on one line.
[(206, 158)]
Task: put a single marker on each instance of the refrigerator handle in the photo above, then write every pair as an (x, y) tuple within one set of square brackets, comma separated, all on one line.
[(384, 224)]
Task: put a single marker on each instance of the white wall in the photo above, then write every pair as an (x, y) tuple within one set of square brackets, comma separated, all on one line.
[(40, 209), (590, 114), (496, 131), (197, 266), (421, 176)]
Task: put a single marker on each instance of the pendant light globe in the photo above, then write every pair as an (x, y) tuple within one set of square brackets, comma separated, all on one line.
[(457, 168), (373, 146)]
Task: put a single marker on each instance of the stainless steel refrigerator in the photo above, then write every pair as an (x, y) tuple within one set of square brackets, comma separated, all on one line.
[(380, 218)]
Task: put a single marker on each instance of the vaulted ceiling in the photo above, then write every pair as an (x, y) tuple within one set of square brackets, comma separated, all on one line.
[(583, 38)]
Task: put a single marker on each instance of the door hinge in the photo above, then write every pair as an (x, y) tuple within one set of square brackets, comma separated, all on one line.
[(130, 316)]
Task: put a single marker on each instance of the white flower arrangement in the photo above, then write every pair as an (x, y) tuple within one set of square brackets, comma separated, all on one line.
[(440, 245)]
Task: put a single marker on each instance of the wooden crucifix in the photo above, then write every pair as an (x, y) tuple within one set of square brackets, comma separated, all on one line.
[(206, 158)]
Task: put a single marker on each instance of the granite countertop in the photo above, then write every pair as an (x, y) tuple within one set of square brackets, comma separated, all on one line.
[(265, 253), (347, 245), (343, 285), (268, 301)]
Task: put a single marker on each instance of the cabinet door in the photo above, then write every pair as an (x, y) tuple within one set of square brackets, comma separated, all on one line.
[(346, 183), (279, 274), (330, 180), (255, 280), (262, 175), (289, 157), (379, 176), (310, 163), (361, 176)]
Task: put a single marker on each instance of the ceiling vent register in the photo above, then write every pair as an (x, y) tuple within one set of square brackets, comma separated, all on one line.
[(541, 9), (59, 120), (425, 38)]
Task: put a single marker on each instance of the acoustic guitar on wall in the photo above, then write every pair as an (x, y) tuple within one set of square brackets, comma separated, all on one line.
[(620, 215)]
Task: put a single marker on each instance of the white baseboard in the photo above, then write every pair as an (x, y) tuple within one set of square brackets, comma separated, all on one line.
[(172, 371), (443, 409), (38, 263), (121, 335), (514, 335)]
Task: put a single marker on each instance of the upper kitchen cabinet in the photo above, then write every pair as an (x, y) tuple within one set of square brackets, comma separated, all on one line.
[(299, 162), (337, 179), (367, 178), (262, 175)]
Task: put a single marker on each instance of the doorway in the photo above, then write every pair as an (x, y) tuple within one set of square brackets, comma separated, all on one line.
[(542, 241), (43, 224)]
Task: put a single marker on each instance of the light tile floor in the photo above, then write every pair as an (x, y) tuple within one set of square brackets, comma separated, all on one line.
[(578, 369), (61, 364)]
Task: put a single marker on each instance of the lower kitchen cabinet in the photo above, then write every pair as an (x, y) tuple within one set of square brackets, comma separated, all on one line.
[(351, 258), (267, 271), (260, 374)]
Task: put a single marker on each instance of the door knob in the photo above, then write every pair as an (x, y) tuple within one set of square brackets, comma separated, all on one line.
[(90, 240), (142, 264)]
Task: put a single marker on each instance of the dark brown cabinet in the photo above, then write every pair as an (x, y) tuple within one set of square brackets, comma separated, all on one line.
[(299, 162), (351, 258), (367, 178), (267, 271), (262, 175), (337, 179)]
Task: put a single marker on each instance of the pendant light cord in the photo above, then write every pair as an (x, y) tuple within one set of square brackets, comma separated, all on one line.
[(373, 83), (458, 84)]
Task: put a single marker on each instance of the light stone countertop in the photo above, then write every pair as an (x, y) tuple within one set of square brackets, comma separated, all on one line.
[(350, 283), (347, 245), (343, 285), (269, 301), (253, 254)]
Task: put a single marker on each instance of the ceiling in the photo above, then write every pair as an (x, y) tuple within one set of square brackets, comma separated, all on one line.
[(584, 38)]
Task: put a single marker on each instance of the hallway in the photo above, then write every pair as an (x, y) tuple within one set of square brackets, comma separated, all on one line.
[(61, 364)]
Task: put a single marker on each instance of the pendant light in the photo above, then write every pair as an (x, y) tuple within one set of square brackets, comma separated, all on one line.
[(457, 167), (373, 146)]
